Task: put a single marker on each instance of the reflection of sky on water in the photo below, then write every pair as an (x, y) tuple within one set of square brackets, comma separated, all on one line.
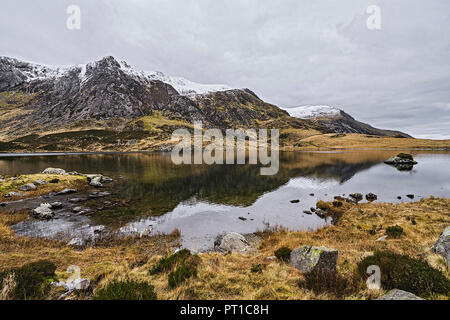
[(200, 221)]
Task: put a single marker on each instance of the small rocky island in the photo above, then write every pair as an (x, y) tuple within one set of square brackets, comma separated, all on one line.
[(402, 161)]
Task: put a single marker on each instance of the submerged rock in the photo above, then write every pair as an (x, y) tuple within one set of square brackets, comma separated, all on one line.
[(310, 258), (56, 205), (397, 294), (99, 194), (442, 246), (54, 171), (65, 191)]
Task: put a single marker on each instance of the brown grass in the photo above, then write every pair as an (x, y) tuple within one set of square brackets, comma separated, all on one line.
[(230, 276)]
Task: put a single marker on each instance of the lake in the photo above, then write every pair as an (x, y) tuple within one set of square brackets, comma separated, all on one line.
[(151, 195)]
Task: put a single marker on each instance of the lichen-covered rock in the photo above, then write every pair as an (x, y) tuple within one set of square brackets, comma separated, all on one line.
[(442, 245), (397, 294), (54, 171), (234, 242), (309, 258), (28, 187)]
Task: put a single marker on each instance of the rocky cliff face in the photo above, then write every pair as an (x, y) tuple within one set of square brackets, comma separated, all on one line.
[(106, 89)]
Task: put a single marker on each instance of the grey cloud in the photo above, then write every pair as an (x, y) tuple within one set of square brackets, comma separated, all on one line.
[(289, 52)]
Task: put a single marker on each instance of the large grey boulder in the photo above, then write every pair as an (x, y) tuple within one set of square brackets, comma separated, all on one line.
[(397, 294), (55, 171), (308, 259), (442, 246), (234, 242)]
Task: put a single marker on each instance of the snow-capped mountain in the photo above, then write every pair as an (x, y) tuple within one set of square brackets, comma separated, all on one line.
[(305, 112), (34, 71), (336, 120), (49, 97), (182, 85)]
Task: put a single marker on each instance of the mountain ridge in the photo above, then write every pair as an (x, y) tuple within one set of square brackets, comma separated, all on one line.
[(105, 101)]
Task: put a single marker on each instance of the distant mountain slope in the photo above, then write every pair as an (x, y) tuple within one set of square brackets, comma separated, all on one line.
[(336, 120)]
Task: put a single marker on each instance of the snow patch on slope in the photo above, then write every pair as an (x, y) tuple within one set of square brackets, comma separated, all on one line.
[(183, 86), (306, 112)]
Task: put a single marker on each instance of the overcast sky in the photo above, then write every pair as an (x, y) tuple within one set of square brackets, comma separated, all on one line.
[(289, 52)]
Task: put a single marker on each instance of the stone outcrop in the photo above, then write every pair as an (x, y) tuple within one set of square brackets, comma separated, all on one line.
[(309, 258), (442, 245)]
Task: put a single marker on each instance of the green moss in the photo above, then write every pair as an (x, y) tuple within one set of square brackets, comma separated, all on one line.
[(126, 290), (405, 273), (405, 156), (32, 280), (283, 253)]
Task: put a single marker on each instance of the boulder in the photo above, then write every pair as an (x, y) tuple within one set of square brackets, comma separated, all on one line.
[(234, 242), (371, 197), (356, 196), (442, 245), (397, 294), (40, 182), (43, 212), (28, 187), (309, 258), (54, 171), (96, 182)]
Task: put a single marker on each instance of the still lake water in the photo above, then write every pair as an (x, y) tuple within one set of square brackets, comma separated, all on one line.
[(153, 195)]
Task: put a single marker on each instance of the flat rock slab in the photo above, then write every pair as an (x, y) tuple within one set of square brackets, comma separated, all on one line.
[(308, 259), (397, 294)]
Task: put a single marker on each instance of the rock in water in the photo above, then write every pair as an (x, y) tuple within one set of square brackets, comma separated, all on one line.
[(403, 162), (55, 171), (397, 294), (234, 242), (43, 212), (371, 197), (66, 191), (356, 196), (28, 187), (309, 258), (442, 246)]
